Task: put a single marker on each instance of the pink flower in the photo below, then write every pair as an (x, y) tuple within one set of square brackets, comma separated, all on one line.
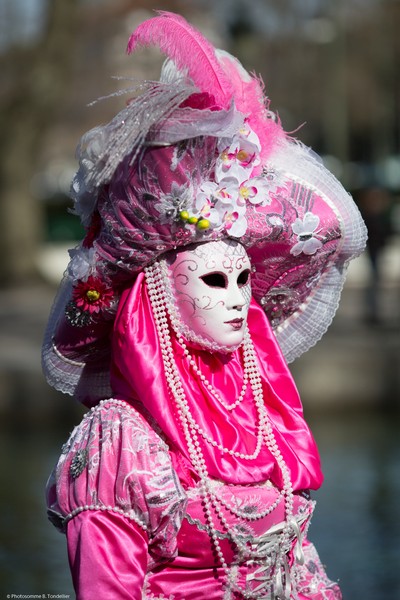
[(92, 295)]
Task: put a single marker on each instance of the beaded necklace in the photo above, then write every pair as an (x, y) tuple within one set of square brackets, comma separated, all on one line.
[(155, 279), (207, 384)]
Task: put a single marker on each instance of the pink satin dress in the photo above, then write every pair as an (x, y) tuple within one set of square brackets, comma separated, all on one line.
[(126, 495), (134, 531)]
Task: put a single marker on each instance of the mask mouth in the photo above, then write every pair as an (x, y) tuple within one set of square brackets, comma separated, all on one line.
[(236, 323)]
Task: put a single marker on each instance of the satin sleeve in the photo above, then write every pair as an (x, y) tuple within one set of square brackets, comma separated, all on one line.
[(108, 556), (115, 463), (312, 580)]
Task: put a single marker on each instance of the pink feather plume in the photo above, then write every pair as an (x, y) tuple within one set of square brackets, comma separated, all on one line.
[(189, 50)]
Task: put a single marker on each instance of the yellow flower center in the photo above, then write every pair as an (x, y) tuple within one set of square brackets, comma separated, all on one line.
[(244, 192), (92, 295), (224, 156), (242, 155)]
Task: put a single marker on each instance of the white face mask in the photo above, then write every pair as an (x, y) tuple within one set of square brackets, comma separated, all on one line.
[(211, 291)]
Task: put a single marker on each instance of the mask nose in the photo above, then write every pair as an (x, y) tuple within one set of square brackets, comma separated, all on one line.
[(236, 299)]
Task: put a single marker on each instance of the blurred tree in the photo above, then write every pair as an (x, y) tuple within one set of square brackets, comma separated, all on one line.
[(44, 87), (336, 70), (332, 65), (34, 81)]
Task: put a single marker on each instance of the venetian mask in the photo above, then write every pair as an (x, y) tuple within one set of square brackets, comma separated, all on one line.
[(210, 289)]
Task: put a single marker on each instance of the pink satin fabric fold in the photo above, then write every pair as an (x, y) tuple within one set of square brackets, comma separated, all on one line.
[(108, 557), (137, 375)]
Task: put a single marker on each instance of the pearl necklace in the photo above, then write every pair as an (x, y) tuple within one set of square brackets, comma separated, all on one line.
[(207, 384), (256, 386), (246, 515), (191, 429)]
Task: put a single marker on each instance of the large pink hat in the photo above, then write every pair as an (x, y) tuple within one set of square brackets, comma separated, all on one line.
[(198, 156)]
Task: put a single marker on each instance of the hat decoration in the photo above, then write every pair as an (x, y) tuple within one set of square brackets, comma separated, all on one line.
[(199, 156)]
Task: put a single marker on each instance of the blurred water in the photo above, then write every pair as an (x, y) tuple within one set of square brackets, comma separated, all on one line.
[(355, 527), (32, 553)]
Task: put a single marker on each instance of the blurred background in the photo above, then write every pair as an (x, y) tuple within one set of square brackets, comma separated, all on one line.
[(331, 69)]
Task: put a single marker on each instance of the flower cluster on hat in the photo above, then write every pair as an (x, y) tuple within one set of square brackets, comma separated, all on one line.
[(222, 202)]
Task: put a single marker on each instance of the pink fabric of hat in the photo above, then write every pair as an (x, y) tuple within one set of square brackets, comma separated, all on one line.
[(198, 156)]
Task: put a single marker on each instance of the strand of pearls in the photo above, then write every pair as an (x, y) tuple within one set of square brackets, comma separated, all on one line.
[(204, 379), (286, 489), (212, 504), (245, 514), (129, 514), (256, 387)]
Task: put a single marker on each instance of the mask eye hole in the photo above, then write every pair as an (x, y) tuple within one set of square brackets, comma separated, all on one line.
[(243, 278), (214, 280)]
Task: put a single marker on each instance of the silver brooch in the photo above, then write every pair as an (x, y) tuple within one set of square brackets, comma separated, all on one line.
[(78, 463)]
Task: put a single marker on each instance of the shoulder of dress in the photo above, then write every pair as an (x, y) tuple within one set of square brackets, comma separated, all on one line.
[(113, 418), (115, 460)]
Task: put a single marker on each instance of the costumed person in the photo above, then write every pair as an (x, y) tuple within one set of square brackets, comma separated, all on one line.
[(215, 252)]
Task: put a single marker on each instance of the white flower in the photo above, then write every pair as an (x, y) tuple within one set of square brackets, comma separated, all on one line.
[(255, 190), (243, 152), (250, 136), (233, 219), (225, 191), (212, 200), (205, 209), (223, 200), (306, 235)]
